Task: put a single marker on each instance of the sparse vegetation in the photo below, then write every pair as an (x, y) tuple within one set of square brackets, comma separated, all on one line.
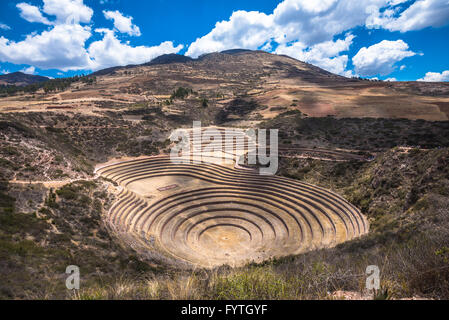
[(181, 93), (51, 85)]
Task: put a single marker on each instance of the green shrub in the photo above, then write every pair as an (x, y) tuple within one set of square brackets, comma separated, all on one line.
[(67, 193), (181, 93), (204, 102)]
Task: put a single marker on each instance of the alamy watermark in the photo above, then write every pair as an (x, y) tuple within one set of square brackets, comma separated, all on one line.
[(73, 280), (227, 144), (373, 279)]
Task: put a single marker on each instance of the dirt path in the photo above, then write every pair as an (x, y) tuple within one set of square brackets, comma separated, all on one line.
[(51, 183)]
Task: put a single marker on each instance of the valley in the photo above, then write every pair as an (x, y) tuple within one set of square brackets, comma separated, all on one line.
[(86, 180)]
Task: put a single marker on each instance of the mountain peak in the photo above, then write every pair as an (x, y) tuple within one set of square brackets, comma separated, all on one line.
[(169, 58)]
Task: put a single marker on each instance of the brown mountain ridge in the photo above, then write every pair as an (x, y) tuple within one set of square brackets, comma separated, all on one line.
[(20, 79), (276, 83)]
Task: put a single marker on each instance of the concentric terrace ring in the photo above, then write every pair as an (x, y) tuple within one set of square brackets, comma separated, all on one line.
[(227, 215)]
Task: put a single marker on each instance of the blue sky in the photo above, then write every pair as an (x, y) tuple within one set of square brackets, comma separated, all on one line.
[(385, 39)]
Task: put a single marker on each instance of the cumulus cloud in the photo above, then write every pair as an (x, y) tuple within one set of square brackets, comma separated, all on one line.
[(31, 13), (122, 23), (64, 47), (421, 14), (325, 55), (68, 11), (300, 28), (391, 79), (295, 27), (249, 30), (29, 70), (65, 11), (380, 58), (304, 21), (436, 77), (4, 26), (312, 22), (110, 51)]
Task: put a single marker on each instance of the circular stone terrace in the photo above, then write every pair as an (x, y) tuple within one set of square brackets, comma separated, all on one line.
[(208, 214)]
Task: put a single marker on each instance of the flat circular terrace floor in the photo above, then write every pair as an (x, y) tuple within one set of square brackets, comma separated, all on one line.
[(207, 214)]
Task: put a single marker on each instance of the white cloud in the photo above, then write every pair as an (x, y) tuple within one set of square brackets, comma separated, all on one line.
[(325, 55), (68, 11), (249, 30), (296, 26), (304, 21), (302, 29), (122, 23), (436, 77), (3, 71), (391, 79), (62, 47), (31, 13), (29, 70), (312, 22), (110, 51), (421, 14), (4, 26), (381, 57), (65, 11)]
